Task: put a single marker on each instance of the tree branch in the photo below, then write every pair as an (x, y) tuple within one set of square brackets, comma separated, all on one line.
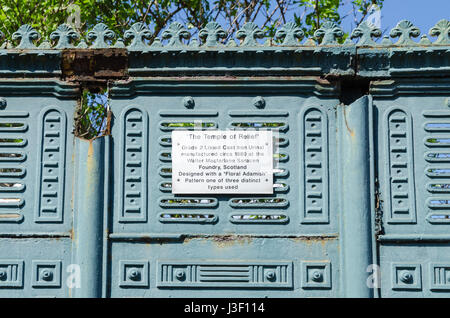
[(160, 23), (317, 11), (257, 11), (281, 11), (148, 9), (269, 18), (240, 13)]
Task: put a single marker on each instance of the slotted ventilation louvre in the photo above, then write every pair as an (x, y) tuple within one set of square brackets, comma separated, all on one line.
[(13, 148), (146, 145), (437, 169)]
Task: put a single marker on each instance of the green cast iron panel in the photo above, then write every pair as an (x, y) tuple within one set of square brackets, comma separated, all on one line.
[(302, 202), (35, 267), (224, 253), (239, 267), (414, 166), (413, 175), (36, 177), (415, 270), (35, 162), (106, 204)]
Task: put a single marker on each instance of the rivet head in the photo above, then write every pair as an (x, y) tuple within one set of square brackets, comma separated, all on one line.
[(47, 275), (2, 103), (188, 102), (406, 277), (317, 276), (134, 274), (270, 275), (3, 274), (447, 102), (180, 274), (259, 102)]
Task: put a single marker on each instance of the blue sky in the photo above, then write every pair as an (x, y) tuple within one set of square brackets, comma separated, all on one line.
[(423, 14)]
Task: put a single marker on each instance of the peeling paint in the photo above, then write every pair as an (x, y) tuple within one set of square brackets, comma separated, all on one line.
[(226, 240)]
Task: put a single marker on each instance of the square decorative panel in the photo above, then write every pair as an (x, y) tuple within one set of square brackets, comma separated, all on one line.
[(439, 276), (46, 274), (406, 276), (133, 274), (225, 274), (316, 275), (11, 273)]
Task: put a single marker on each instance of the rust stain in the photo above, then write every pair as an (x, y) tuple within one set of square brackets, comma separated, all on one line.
[(73, 238), (94, 65), (222, 241), (90, 162), (352, 133), (228, 240), (91, 149), (233, 78), (323, 239), (108, 123)]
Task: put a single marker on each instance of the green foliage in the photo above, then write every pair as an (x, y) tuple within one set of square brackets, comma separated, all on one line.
[(91, 115), (362, 6), (315, 12), (46, 15)]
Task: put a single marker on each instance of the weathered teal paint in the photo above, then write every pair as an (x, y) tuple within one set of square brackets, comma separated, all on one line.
[(356, 199), (362, 179), (88, 216)]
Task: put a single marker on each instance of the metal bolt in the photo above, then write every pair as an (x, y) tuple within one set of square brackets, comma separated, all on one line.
[(134, 274), (180, 274), (270, 275), (317, 276), (3, 274), (47, 275), (406, 277), (188, 102), (259, 102), (2, 103)]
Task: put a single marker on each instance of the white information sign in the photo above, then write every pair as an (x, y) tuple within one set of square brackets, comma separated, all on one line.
[(206, 162)]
